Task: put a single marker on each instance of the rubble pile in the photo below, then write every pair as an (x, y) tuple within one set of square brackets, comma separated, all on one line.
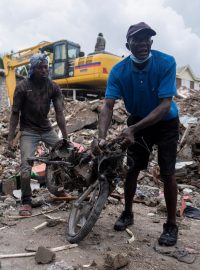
[(82, 119), (190, 104), (8, 165), (189, 144)]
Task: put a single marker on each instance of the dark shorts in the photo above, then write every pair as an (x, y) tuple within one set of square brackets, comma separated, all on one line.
[(165, 135)]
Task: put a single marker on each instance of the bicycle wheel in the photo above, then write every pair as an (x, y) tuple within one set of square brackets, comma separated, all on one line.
[(86, 210)]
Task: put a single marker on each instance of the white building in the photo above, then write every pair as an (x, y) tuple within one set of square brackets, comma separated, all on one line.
[(185, 79)]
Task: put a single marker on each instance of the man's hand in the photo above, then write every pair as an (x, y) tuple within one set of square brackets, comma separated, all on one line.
[(127, 136), (97, 145)]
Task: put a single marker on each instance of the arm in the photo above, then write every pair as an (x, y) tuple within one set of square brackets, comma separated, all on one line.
[(14, 119), (155, 116), (112, 93), (61, 123), (18, 101), (152, 118), (58, 106), (105, 117)]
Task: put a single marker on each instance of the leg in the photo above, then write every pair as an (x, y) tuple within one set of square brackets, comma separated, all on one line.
[(170, 230), (49, 138), (167, 148), (28, 144), (130, 186), (137, 159), (126, 217), (170, 192)]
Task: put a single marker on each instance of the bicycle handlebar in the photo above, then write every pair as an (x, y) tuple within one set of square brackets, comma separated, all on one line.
[(49, 162)]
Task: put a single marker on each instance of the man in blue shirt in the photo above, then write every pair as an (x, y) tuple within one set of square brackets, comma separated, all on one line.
[(146, 81)]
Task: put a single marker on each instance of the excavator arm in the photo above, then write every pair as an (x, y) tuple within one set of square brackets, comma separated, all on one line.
[(13, 60)]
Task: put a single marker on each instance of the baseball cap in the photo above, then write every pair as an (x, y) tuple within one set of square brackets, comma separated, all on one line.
[(141, 26)]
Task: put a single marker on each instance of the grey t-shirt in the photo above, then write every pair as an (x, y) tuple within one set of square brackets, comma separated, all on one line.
[(33, 104)]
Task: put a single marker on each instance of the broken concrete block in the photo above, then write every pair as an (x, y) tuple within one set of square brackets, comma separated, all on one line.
[(10, 201), (116, 261), (119, 118), (96, 107), (162, 206), (113, 200), (187, 191), (44, 255), (3, 206), (31, 246), (82, 119), (183, 186), (9, 185)]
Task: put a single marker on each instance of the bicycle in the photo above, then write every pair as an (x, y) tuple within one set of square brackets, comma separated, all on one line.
[(94, 178), (108, 170), (62, 164)]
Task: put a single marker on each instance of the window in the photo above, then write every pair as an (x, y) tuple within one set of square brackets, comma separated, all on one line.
[(73, 52), (186, 83), (60, 52), (191, 85), (59, 69)]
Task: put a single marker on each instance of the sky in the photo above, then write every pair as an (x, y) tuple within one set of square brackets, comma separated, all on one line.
[(24, 23)]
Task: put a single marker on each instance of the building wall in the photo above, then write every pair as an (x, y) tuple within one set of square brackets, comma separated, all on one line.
[(186, 76), (186, 81), (196, 85)]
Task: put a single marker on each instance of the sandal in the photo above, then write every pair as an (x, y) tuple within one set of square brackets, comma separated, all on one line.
[(25, 210)]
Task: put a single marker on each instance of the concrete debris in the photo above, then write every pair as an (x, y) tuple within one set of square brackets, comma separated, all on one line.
[(115, 261), (113, 200), (8, 223), (162, 206), (10, 201), (62, 265), (83, 118), (8, 185), (44, 255), (3, 206), (31, 246)]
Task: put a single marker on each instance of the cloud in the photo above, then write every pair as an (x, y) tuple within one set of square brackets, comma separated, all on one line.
[(26, 23)]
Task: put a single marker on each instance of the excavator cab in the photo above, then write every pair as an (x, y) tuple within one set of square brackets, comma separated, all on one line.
[(62, 54)]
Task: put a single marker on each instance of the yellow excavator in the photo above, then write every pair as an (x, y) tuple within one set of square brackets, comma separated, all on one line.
[(67, 64)]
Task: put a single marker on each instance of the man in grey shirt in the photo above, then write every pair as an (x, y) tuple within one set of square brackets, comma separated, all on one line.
[(31, 104)]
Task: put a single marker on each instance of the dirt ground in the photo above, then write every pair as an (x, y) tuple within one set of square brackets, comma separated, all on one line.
[(100, 241)]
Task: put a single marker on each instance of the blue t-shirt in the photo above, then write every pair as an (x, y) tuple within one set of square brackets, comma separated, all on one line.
[(142, 90)]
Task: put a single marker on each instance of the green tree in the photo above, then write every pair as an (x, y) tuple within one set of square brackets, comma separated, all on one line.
[(1, 63)]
